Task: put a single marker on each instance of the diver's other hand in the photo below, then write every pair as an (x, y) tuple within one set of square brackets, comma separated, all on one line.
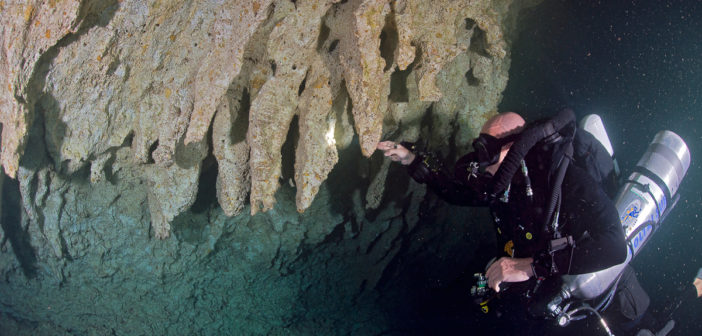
[(509, 270), (698, 282), (396, 152)]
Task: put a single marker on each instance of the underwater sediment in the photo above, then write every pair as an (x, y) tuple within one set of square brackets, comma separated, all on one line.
[(203, 167)]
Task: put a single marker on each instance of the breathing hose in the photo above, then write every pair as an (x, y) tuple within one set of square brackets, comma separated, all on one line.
[(590, 309), (528, 138)]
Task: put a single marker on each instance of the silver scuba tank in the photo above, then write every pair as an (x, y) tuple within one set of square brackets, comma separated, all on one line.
[(646, 198)]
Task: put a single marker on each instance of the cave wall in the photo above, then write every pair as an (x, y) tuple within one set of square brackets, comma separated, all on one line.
[(207, 166)]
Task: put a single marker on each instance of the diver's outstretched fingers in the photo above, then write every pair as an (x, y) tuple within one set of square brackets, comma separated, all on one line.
[(394, 152), (385, 145)]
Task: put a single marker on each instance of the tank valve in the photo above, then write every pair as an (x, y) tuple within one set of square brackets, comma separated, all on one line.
[(480, 289), (563, 320)]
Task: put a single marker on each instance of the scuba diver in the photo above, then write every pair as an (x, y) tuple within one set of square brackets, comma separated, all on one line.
[(552, 218)]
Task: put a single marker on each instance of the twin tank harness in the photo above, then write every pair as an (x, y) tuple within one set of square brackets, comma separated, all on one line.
[(645, 200)]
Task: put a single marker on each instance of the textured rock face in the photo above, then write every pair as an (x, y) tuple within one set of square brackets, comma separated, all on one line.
[(101, 74), (123, 120)]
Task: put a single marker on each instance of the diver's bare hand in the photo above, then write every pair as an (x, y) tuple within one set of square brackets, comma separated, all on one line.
[(396, 152), (509, 270)]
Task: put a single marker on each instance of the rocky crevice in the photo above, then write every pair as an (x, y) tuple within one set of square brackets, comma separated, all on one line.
[(118, 116), (161, 71)]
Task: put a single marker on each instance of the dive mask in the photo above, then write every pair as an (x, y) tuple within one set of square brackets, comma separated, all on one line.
[(489, 147)]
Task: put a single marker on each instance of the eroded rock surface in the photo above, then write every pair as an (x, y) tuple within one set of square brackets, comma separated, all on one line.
[(127, 120), (153, 74)]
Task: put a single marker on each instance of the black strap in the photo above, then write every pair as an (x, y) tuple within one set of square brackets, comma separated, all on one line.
[(557, 183), (647, 189), (528, 138)]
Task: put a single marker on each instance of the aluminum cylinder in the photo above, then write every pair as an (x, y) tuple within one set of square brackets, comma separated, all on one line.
[(668, 159), (641, 202)]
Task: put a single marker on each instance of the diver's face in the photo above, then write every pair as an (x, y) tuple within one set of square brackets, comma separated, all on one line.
[(491, 151), (493, 168), (501, 126)]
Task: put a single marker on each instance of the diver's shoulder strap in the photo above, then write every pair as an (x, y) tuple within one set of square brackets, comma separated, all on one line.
[(529, 137), (554, 199)]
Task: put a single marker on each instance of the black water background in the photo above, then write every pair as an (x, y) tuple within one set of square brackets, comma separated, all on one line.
[(638, 64)]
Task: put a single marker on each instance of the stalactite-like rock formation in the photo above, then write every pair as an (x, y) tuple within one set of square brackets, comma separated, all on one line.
[(29, 30), (245, 131), (157, 75)]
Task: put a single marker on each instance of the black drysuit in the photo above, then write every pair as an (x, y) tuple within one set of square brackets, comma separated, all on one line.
[(587, 213)]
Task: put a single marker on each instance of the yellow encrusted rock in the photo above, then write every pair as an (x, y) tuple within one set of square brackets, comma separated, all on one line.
[(154, 78)]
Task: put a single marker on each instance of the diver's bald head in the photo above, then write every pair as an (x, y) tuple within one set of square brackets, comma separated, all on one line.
[(503, 124), (500, 126)]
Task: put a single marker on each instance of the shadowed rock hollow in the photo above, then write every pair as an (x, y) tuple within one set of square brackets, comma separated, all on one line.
[(199, 167)]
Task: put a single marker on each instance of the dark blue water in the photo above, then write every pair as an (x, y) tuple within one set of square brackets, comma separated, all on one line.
[(638, 64)]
